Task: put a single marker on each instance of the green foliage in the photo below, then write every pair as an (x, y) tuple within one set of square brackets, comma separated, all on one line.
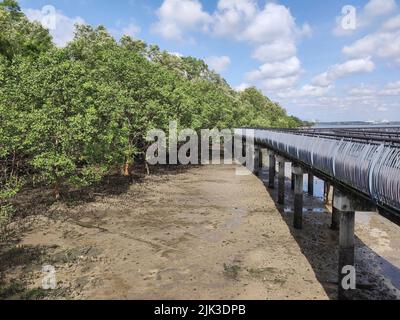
[(19, 36), (12, 7), (69, 115)]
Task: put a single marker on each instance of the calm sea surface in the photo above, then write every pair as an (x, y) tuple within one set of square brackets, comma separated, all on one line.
[(365, 126)]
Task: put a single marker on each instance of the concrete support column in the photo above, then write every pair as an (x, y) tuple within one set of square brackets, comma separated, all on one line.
[(310, 184), (298, 196), (330, 195), (281, 180), (272, 170), (335, 219), (261, 159), (344, 205), (293, 178), (264, 158), (263, 163), (256, 169), (335, 216), (328, 192)]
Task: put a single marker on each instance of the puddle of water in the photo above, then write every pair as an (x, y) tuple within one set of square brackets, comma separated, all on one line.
[(236, 219), (318, 183), (380, 238), (381, 250), (318, 210), (318, 188), (307, 210)]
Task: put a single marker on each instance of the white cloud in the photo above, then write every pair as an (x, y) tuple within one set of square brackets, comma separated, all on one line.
[(275, 51), (244, 21), (279, 83), (178, 16), (372, 10), (64, 26), (362, 102), (391, 89), (243, 86), (305, 31), (131, 30), (232, 16), (279, 69), (177, 54), (274, 32), (324, 83), (383, 44), (362, 91), (341, 70), (375, 8), (338, 30), (392, 23), (218, 64), (271, 29), (305, 91), (382, 109), (273, 22)]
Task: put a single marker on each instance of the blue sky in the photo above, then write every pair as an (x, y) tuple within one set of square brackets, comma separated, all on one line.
[(297, 52)]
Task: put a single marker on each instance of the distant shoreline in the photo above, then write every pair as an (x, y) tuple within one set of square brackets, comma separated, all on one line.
[(356, 124)]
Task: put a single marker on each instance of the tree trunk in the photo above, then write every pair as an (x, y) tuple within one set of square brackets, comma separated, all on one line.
[(57, 190), (126, 169)]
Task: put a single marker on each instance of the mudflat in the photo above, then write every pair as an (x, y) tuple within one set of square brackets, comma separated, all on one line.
[(198, 232)]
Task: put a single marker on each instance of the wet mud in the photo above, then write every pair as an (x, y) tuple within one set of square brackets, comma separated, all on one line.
[(195, 233)]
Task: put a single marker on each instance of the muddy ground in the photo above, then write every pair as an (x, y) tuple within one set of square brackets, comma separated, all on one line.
[(188, 233)]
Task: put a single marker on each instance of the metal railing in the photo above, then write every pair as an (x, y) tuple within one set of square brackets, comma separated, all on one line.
[(370, 165)]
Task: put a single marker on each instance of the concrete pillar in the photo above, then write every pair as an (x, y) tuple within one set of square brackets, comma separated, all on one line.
[(344, 205), (298, 196), (335, 216), (335, 219), (264, 158), (328, 192), (293, 178), (263, 163), (272, 170), (281, 180), (256, 169), (310, 184), (330, 195)]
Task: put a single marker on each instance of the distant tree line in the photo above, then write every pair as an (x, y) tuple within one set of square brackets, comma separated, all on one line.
[(70, 115)]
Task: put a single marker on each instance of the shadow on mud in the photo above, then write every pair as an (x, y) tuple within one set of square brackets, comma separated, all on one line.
[(36, 200), (319, 244), (27, 258), (39, 200)]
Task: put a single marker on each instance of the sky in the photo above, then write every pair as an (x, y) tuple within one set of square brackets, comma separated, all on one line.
[(321, 60)]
